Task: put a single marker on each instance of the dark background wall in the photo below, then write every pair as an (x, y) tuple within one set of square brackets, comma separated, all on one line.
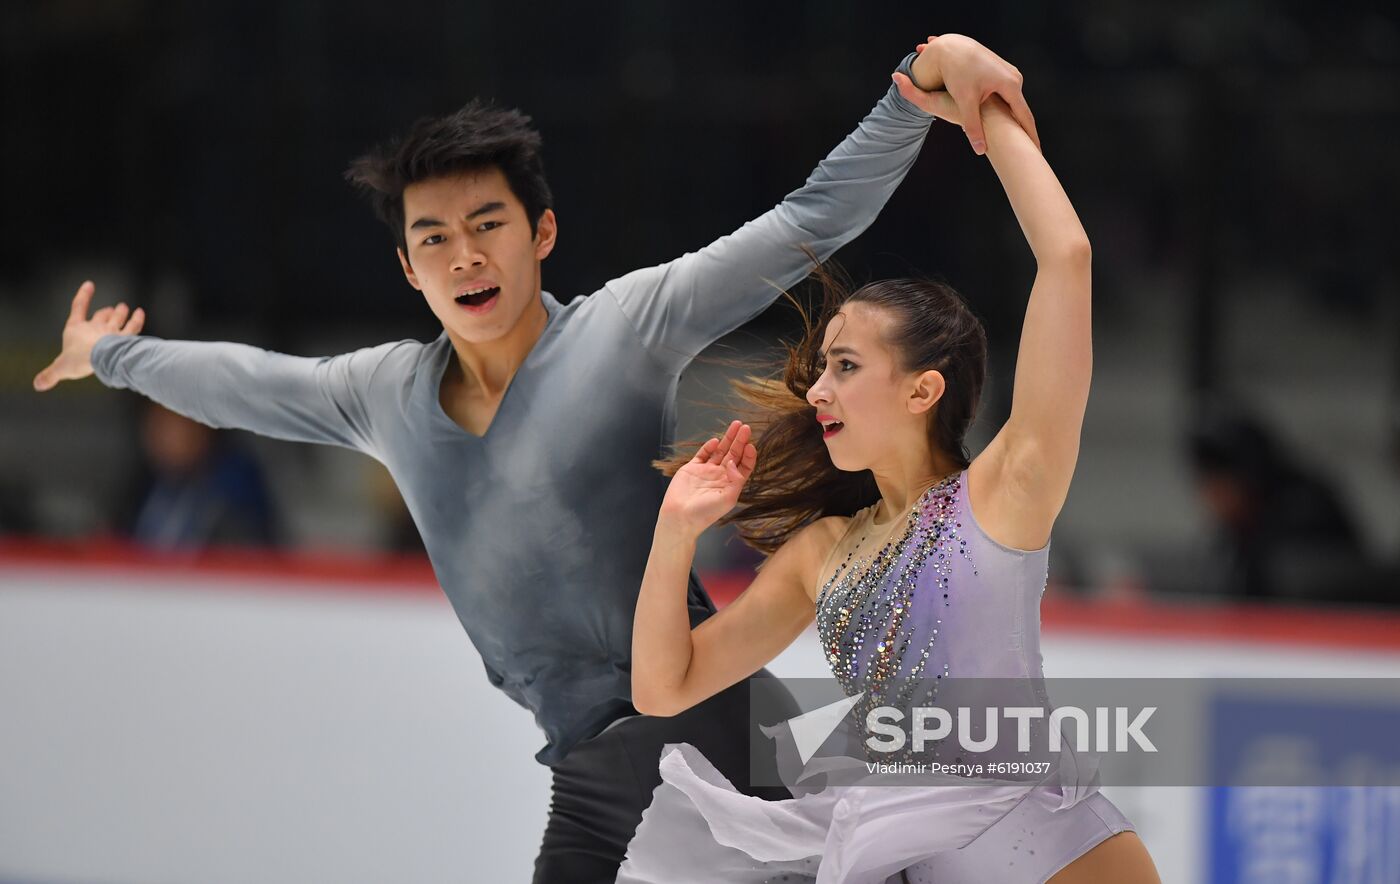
[(209, 137), (1234, 164)]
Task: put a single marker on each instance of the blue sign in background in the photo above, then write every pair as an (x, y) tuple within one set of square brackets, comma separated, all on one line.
[(1299, 831)]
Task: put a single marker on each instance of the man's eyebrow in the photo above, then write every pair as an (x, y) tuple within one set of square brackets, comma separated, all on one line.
[(485, 209), (488, 208)]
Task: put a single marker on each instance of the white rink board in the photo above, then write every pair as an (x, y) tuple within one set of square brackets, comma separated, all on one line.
[(162, 728)]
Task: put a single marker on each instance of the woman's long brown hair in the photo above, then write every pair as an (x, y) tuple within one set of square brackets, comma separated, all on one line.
[(795, 483)]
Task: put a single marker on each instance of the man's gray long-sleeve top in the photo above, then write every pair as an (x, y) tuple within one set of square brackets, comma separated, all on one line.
[(539, 530)]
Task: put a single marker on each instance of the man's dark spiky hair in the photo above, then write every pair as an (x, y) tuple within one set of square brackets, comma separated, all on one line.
[(478, 136)]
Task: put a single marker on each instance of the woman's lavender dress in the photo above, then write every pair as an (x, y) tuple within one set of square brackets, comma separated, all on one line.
[(941, 601)]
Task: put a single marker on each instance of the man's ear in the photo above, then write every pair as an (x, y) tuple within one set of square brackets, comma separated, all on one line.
[(545, 232), (408, 270), (928, 389)]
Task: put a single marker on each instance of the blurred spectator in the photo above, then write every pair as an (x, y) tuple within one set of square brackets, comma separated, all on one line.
[(198, 488), (16, 511), (1281, 530)]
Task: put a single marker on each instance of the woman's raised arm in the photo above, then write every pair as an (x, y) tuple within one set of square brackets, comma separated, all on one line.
[(1033, 456), (1055, 361), (674, 667)]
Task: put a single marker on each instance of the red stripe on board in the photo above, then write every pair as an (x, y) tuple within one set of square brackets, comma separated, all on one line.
[(377, 572), (1355, 628), (1197, 620), (1352, 628), (1189, 619)]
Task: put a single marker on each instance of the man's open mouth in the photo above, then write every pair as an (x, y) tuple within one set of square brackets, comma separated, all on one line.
[(476, 299)]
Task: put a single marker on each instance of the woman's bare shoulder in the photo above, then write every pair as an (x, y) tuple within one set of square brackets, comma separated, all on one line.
[(807, 550)]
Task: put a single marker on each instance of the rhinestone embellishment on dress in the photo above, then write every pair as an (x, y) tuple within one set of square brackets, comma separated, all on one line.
[(864, 609)]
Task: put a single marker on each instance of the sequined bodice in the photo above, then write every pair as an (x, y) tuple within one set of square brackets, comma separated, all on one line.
[(939, 599)]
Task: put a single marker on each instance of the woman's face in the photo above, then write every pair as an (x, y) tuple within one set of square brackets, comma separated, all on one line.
[(866, 403)]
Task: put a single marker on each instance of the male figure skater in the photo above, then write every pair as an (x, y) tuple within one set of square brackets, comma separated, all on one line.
[(522, 437)]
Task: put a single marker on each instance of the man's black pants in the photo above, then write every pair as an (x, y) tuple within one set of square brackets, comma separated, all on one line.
[(604, 784)]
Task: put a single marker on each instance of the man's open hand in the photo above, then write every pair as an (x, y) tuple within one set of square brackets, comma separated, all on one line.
[(80, 334)]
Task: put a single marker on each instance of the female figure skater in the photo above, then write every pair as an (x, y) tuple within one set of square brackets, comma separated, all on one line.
[(915, 560)]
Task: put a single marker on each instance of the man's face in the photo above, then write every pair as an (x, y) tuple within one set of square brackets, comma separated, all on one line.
[(471, 254)]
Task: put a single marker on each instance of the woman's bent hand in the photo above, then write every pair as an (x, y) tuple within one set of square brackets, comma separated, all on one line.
[(707, 487)]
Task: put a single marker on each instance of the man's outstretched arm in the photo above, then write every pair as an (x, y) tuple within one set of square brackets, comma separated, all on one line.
[(683, 306), (230, 386)]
